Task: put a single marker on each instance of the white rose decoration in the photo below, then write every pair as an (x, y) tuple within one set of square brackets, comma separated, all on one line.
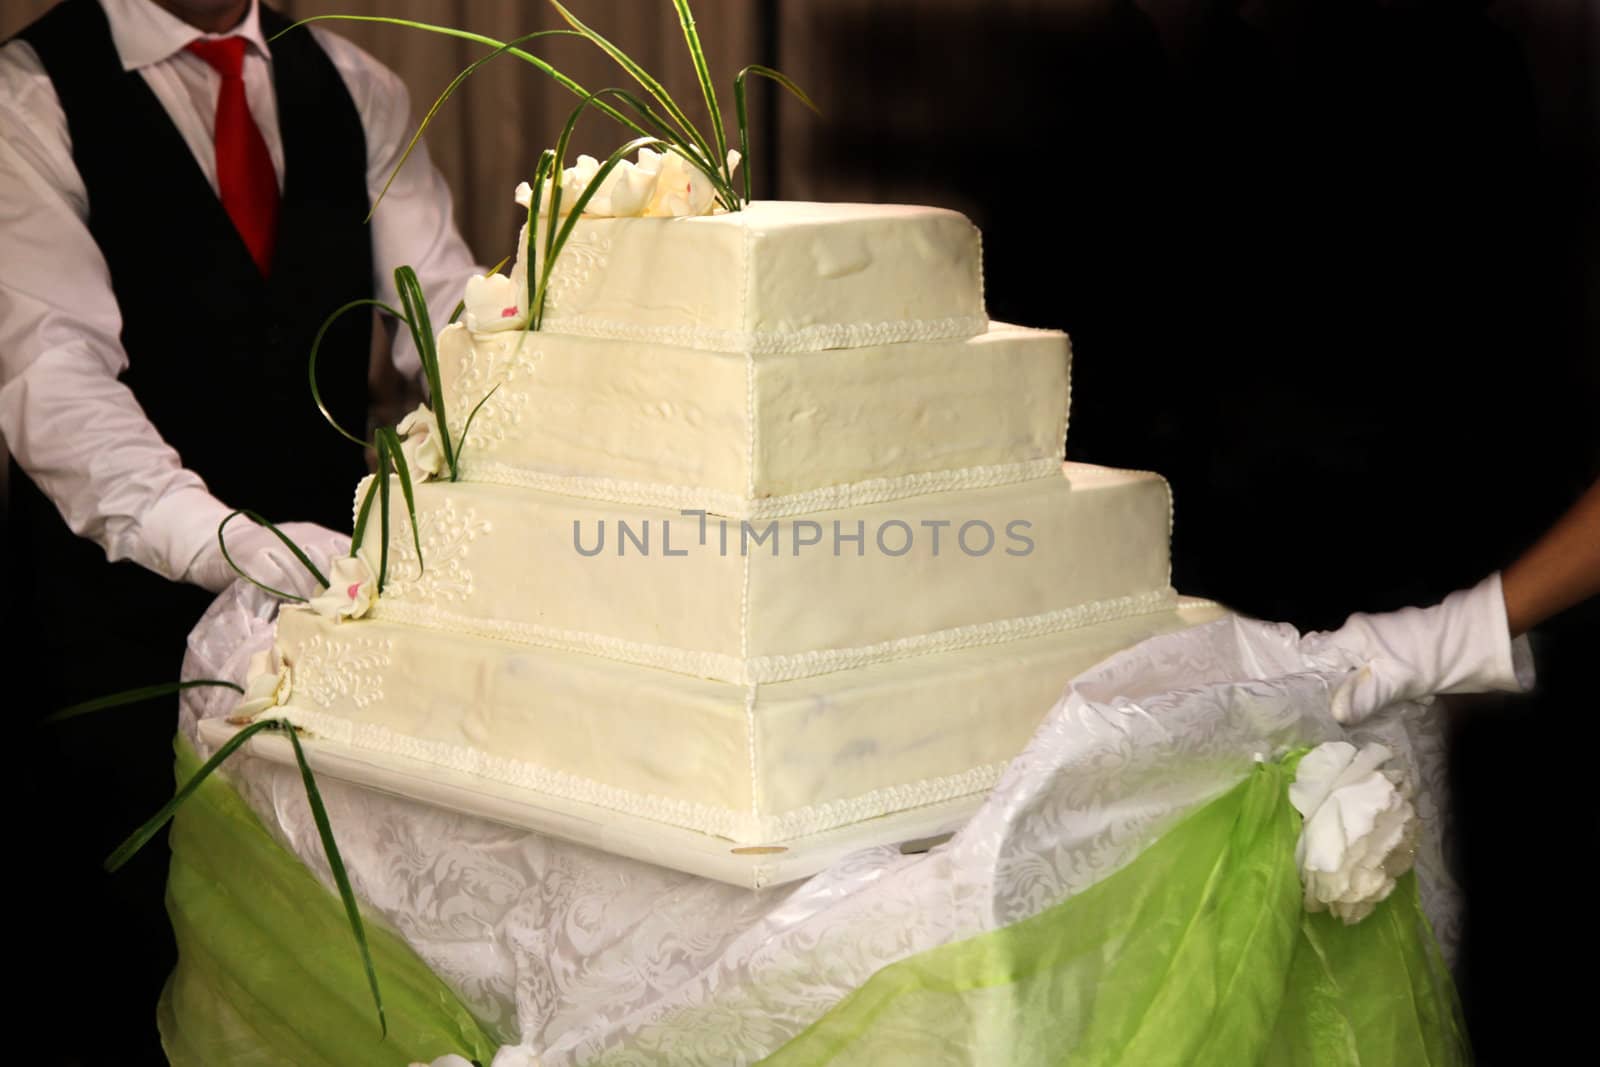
[(1360, 829), (494, 302), (508, 1056), (420, 443), (268, 686), (352, 588)]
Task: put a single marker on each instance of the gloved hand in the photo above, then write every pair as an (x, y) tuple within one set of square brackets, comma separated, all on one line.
[(1461, 645), (261, 555)]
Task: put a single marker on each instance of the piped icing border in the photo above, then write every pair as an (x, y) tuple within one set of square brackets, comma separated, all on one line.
[(739, 827), (748, 506), (777, 668), (814, 338)]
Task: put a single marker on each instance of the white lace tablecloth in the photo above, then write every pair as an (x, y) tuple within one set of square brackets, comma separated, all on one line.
[(589, 958)]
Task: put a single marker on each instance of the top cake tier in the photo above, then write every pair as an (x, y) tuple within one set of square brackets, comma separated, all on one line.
[(778, 276)]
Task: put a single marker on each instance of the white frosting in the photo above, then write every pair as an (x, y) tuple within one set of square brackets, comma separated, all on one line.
[(748, 435), (776, 276), (751, 763), (772, 599)]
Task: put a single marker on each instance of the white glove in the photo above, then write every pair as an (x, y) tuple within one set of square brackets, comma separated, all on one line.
[(261, 555), (1461, 645)]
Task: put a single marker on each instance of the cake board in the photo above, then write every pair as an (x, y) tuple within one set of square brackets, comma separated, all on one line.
[(677, 848)]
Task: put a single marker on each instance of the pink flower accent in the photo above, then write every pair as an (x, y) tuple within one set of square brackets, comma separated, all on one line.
[(351, 574)]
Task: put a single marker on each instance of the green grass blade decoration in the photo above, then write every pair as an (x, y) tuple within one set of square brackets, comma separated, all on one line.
[(449, 91), (402, 467), (316, 346), (341, 878), (448, 31), (362, 515), (141, 837), (743, 117), (545, 170), (304, 559), (319, 814), (416, 305), (707, 163), (383, 509), (702, 70), (133, 696), (474, 414)]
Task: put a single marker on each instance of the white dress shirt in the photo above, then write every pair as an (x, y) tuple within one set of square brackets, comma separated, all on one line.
[(70, 423)]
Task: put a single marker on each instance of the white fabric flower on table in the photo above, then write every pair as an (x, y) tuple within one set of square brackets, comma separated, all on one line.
[(494, 302), (1360, 830), (515, 1056), (508, 1056), (421, 444), (269, 685), (352, 588)]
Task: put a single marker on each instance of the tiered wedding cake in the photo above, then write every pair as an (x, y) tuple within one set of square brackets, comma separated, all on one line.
[(764, 532)]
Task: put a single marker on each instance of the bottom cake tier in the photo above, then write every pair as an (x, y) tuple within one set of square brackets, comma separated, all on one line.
[(753, 764)]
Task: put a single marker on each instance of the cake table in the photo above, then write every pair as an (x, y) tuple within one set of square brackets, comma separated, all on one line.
[(1122, 893)]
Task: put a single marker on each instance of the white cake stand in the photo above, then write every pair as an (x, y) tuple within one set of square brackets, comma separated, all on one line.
[(703, 855)]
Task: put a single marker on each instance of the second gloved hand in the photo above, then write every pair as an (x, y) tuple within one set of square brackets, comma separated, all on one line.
[(1461, 645), (261, 555)]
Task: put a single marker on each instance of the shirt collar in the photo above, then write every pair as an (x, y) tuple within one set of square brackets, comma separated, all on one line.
[(146, 34)]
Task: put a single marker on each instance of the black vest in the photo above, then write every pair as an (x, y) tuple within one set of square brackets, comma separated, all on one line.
[(217, 354)]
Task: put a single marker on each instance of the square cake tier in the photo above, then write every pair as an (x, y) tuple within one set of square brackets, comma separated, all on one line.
[(775, 276), (746, 434), (751, 763), (775, 599)]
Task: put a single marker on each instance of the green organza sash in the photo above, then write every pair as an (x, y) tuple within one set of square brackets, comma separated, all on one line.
[(1199, 952), (268, 971)]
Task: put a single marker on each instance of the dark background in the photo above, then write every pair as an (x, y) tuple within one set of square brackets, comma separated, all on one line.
[(1329, 265)]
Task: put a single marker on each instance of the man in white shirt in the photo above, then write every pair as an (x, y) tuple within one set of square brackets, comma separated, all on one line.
[(182, 204)]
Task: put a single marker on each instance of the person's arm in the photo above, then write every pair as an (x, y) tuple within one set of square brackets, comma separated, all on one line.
[(1562, 568), (71, 424), (414, 224), (1471, 642)]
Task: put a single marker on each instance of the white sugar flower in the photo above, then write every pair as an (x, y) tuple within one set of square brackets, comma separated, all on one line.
[(683, 188), (659, 184), (268, 685), (494, 302), (626, 191), (352, 588), (421, 443), (1360, 829)]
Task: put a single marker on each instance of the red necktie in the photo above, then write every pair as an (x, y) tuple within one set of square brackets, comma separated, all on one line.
[(246, 182)]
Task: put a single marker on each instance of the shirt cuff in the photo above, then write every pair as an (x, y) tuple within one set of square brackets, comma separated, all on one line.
[(179, 528)]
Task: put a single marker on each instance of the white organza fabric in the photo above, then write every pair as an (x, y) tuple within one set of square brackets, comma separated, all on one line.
[(588, 958)]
